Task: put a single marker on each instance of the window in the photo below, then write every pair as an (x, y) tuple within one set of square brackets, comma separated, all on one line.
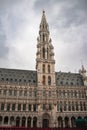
[(69, 106), (61, 106), (44, 80), (75, 93), (71, 83), (57, 93), (61, 83), (60, 93), (30, 93), (58, 107), (19, 107), (15, 92), (64, 93), (34, 107), (81, 106), (44, 93), (13, 107), (65, 106), (10, 92), (71, 94), (76, 106), (43, 68), (8, 107), (50, 107), (49, 93), (73, 106), (84, 105), (24, 107), (25, 93), (43, 52), (35, 93), (29, 107), (4, 92), (49, 80), (48, 68), (44, 106), (2, 107), (20, 92)]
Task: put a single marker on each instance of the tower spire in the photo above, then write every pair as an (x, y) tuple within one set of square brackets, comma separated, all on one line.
[(44, 25), (43, 17)]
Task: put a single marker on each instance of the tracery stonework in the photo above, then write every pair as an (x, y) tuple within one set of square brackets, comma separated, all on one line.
[(42, 98)]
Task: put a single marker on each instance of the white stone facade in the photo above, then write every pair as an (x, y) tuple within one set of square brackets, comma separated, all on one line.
[(52, 100)]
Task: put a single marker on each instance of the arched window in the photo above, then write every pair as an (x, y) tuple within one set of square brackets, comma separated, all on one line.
[(29, 121), (49, 80), (66, 119), (73, 106), (18, 121), (77, 106), (44, 80), (43, 68), (35, 122), (23, 121), (12, 120), (61, 107), (43, 52), (6, 120), (60, 121), (1, 120), (65, 106), (48, 68)]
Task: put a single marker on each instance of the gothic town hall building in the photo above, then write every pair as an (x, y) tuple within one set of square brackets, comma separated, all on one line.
[(42, 98)]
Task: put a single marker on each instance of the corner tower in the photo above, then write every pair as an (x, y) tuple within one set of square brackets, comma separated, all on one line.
[(45, 63)]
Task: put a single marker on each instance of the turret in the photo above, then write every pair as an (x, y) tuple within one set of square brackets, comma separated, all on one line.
[(82, 71)]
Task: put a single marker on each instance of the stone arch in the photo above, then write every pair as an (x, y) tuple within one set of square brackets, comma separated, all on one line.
[(12, 121), (29, 121), (44, 80), (6, 120), (17, 121), (23, 121), (43, 68), (45, 120), (73, 124), (48, 68), (79, 117), (49, 80), (44, 52), (85, 117), (1, 120), (66, 119), (35, 122), (60, 122)]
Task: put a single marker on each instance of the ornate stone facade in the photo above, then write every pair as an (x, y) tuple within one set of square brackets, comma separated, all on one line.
[(42, 98)]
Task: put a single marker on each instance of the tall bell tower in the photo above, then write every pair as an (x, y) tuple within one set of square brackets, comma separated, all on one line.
[(45, 63), (45, 66)]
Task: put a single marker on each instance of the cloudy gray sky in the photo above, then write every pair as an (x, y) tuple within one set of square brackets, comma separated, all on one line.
[(19, 26)]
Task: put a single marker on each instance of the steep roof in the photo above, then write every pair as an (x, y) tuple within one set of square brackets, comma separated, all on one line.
[(68, 79), (18, 76)]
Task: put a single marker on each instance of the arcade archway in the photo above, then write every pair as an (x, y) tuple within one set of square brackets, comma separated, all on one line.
[(45, 120)]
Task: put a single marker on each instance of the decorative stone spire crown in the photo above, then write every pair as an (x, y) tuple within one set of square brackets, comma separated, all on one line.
[(45, 49), (44, 25)]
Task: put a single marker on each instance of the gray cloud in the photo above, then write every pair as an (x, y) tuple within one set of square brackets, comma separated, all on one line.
[(68, 26), (3, 46)]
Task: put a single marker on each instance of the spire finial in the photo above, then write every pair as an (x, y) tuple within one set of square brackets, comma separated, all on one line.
[(43, 11)]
